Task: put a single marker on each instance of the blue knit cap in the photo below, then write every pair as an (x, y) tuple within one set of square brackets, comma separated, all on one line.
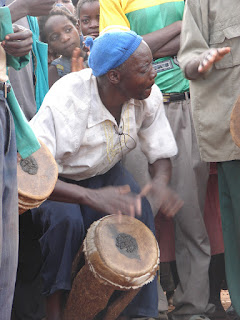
[(110, 50)]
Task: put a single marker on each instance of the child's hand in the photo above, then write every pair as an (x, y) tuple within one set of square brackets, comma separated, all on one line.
[(85, 48), (77, 60)]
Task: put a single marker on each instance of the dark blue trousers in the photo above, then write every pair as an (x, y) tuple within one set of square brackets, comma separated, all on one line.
[(64, 227)]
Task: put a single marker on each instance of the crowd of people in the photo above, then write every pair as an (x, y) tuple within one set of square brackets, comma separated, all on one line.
[(94, 80)]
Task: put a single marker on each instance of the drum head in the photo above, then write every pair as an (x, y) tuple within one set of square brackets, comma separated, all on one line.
[(127, 251), (37, 175)]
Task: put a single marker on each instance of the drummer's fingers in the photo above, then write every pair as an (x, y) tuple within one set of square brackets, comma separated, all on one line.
[(119, 213), (145, 190), (165, 208), (131, 210), (124, 189), (138, 206), (178, 205), (171, 208)]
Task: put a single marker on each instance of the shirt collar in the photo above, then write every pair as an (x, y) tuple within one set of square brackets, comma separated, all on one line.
[(98, 112)]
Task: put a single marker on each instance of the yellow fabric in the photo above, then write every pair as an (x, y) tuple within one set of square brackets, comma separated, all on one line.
[(133, 5), (113, 12), (112, 16)]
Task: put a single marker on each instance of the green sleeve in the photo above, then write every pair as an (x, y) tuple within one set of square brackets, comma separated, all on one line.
[(5, 28), (27, 143)]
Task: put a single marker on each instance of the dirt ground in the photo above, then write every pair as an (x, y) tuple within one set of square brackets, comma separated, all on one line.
[(224, 298)]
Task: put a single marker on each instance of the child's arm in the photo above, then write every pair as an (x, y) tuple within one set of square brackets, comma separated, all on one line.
[(52, 75)]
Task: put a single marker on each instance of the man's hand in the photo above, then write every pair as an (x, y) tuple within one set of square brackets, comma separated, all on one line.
[(208, 58), (163, 197), (115, 200), (19, 43), (166, 200), (109, 200), (198, 66)]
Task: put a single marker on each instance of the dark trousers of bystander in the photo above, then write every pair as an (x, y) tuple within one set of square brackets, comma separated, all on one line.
[(8, 209)]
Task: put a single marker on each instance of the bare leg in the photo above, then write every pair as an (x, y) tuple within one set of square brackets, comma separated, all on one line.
[(54, 304)]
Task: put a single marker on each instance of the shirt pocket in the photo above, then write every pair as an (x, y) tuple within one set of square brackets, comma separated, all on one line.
[(227, 37)]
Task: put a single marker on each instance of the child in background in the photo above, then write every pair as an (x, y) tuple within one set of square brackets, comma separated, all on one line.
[(61, 31), (88, 12), (68, 4)]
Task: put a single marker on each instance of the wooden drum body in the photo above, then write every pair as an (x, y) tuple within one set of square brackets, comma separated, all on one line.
[(119, 255), (37, 176)]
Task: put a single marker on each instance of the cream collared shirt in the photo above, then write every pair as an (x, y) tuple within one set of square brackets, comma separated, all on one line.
[(84, 137)]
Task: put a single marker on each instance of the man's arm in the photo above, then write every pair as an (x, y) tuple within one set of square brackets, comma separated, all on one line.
[(109, 200), (165, 41), (169, 49), (195, 55), (164, 198), (22, 8)]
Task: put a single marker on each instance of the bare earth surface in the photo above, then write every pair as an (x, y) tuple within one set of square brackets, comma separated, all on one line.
[(224, 298)]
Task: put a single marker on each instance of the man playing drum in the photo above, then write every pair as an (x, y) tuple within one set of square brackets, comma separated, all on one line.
[(89, 120)]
